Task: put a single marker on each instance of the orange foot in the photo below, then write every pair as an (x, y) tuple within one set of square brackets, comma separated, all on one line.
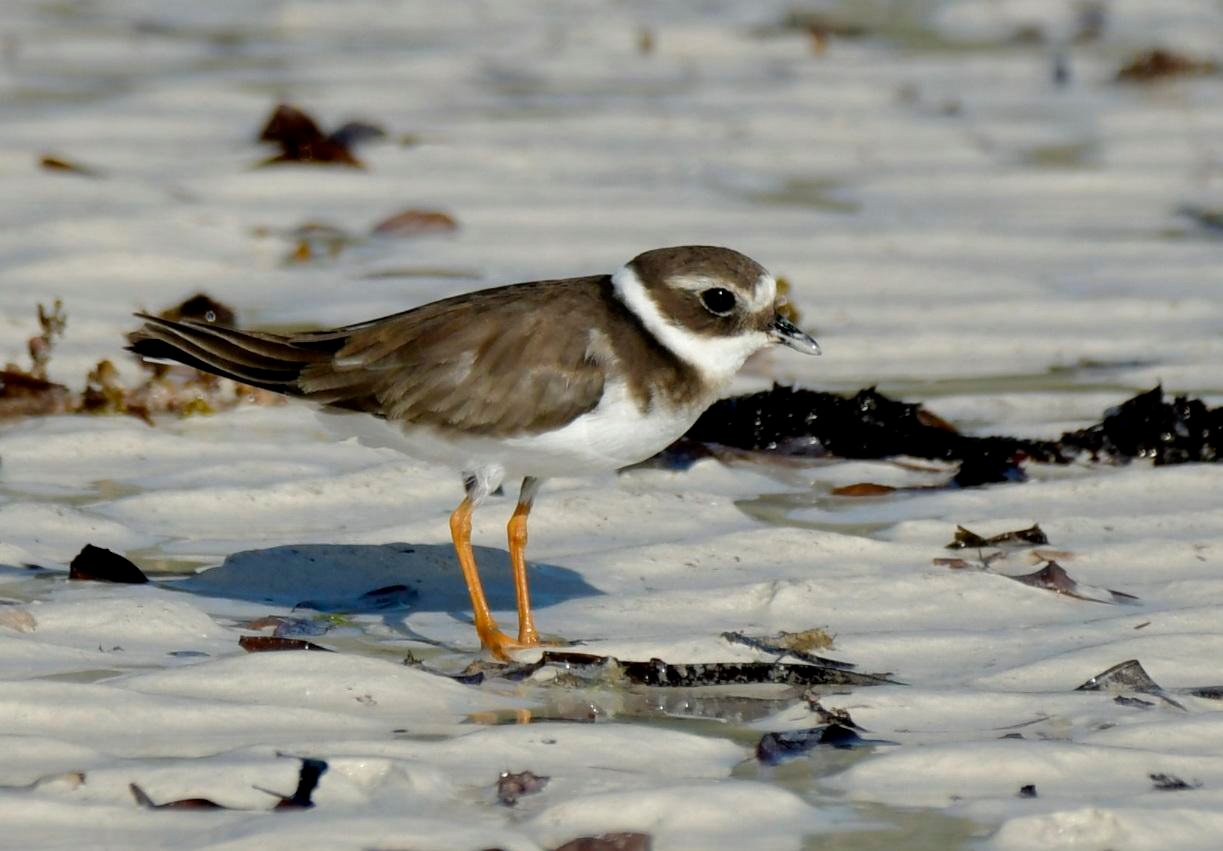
[(501, 645), (531, 638)]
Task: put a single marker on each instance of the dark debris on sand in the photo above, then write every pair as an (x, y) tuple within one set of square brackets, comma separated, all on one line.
[(101, 565), (513, 785), (301, 799), (807, 423), (609, 842), (301, 140), (660, 674), (776, 748)]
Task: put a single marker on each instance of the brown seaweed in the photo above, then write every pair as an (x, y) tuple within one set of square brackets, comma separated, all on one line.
[(27, 391), (101, 565), (806, 423), (25, 395), (657, 673)]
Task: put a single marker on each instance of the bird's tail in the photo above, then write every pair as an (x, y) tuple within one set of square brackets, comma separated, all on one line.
[(270, 361)]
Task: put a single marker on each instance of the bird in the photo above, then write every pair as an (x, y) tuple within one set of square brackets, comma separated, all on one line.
[(564, 377)]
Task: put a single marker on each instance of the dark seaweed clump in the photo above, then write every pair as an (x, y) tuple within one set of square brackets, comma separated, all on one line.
[(868, 424)]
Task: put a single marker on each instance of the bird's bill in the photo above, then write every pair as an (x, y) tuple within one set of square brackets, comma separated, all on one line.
[(788, 334)]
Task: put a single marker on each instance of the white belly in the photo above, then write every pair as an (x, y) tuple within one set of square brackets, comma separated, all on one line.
[(614, 435)]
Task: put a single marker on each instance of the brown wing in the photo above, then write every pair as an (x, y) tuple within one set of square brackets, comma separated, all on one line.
[(497, 362)]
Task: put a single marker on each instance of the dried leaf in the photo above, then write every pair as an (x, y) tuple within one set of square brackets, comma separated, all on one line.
[(863, 489), (301, 141), (511, 787), (1053, 577), (1038, 556), (185, 804), (1128, 676), (804, 641), (51, 162), (796, 644), (270, 643), (609, 842), (967, 539), (320, 152), (1161, 64), (414, 222), (287, 124), (101, 565)]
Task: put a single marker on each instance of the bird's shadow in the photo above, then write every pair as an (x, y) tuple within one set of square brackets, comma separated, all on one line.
[(390, 579)]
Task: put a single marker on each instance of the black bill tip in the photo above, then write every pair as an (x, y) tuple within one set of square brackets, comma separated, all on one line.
[(788, 334)]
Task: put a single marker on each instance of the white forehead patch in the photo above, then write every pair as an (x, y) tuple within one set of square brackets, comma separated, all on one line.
[(716, 358), (765, 293), (760, 298)]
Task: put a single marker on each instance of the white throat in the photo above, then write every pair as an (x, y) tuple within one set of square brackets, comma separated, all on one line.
[(717, 359)]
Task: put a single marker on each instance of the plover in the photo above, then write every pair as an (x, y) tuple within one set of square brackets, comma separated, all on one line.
[(526, 381)]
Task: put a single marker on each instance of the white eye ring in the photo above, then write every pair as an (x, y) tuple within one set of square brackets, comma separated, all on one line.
[(719, 301)]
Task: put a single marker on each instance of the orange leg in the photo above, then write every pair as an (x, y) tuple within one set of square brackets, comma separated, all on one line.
[(491, 637), (517, 532)]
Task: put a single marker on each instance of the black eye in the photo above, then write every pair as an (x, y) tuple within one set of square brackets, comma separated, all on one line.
[(718, 301)]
